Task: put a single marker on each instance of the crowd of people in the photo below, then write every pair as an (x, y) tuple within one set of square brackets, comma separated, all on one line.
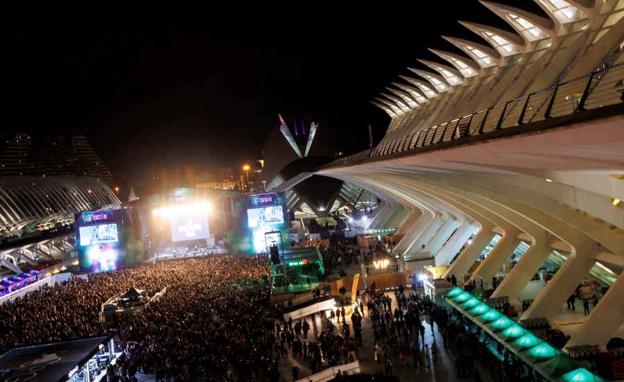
[(340, 255), (400, 333), (215, 321)]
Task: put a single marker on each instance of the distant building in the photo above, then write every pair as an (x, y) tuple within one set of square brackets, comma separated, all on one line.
[(225, 184), (23, 155)]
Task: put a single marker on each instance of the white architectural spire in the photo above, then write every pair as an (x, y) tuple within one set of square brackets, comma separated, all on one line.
[(384, 108), (531, 27), (424, 87), (414, 92), (450, 75), (484, 56), (504, 42), (467, 67), (437, 81)]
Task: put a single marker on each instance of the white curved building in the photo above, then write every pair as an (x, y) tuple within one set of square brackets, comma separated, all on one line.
[(509, 157)]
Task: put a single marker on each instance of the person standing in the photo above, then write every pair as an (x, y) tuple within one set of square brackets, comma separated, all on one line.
[(571, 301), (586, 306), (388, 365)]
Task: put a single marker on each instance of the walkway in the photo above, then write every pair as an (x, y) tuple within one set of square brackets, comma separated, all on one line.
[(443, 370)]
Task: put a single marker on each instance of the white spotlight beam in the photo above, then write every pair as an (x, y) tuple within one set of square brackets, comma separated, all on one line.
[(311, 135), (289, 138)]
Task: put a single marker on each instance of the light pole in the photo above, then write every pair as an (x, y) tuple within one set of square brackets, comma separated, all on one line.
[(246, 169)]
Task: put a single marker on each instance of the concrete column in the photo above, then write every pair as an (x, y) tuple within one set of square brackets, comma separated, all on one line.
[(407, 225), (382, 215), (397, 219), (454, 244), (521, 274), (424, 220), (496, 258), (426, 236), (549, 301), (443, 234), (604, 320), (468, 256), (407, 229)]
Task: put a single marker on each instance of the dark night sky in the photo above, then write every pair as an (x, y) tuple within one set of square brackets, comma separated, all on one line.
[(204, 86)]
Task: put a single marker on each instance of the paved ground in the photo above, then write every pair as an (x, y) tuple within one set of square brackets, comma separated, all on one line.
[(443, 370)]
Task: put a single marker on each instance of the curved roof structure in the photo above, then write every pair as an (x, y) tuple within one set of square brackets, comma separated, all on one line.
[(29, 204), (575, 38), (517, 170)]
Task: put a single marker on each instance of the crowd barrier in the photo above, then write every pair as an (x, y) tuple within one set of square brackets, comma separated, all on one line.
[(381, 280), (47, 281), (331, 373)]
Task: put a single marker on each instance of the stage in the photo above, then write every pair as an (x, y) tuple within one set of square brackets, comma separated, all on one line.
[(59, 361)]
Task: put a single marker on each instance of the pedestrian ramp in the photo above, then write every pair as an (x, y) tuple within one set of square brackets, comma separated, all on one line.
[(309, 308), (331, 373)]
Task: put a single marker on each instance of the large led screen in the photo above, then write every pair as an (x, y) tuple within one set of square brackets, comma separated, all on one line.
[(258, 217), (98, 234), (189, 226)]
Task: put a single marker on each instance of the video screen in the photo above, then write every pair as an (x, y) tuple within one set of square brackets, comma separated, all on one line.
[(257, 217), (187, 227), (98, 234), (101, 258)]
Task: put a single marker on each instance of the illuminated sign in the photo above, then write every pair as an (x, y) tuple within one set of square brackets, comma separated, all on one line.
[(298, 262), (88, 217), (262, 200), (381, 264)]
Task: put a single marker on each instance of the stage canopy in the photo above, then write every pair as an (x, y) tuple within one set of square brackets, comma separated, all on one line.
[(48, 362)]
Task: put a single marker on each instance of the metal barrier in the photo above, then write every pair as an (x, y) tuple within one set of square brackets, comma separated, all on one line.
[(604, 87)]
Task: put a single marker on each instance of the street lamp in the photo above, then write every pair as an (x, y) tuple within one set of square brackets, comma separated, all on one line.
[(246, 169)]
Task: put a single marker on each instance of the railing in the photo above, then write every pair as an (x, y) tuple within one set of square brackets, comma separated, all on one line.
[(601, 88)]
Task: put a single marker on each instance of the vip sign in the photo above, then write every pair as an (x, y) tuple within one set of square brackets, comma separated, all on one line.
[(381, 264)]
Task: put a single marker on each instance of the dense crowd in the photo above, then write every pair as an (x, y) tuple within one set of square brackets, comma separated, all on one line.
[(214, 322), (400, 333), (338, 255)]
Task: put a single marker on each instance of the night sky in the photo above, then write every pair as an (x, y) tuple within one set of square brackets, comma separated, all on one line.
[(199, 86)]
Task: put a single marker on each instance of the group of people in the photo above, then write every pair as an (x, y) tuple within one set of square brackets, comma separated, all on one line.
[(587, 295), (399, 332), (215, 320), (328, 347), (340, 255)]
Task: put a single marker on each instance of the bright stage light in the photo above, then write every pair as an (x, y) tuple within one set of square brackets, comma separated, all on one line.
[(350, 220), (422, 277), (364, 218), (199, 208)]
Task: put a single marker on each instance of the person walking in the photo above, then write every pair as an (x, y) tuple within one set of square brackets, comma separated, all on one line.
[(388, 365), (586, 307)]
